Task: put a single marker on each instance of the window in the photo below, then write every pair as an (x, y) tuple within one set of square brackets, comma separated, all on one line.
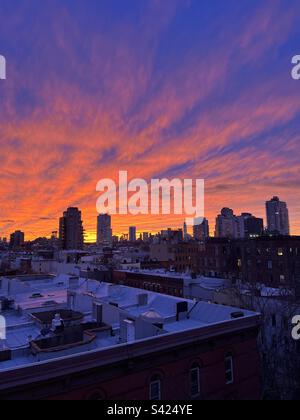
[(229, 369), (280, 252), (270, 265), (282, 279), (155, 389), (195, 381)]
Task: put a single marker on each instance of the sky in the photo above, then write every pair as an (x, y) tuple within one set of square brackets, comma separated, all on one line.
[(160, 88)]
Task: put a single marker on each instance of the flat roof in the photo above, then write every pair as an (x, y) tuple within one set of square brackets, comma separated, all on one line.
[(118, 303)]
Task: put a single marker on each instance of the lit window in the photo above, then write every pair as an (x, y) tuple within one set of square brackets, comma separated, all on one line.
[(280, 252), (229, 369), (195, 381), (155, 390)]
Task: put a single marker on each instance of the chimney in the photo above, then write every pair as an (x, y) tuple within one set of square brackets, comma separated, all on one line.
[(127, 331), (98, 312)]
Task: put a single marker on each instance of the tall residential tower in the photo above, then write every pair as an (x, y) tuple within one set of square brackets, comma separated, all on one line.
[(104, 230), (71, 229), (278, 217)]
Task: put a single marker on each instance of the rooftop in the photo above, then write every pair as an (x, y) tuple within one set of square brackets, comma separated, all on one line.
[(205, 282), (49, 318)]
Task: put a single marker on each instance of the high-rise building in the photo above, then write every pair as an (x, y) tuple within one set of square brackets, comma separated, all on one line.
[(71, 229), (277, 217), (227, 225), (132, 234), (17, 239), (201, 232), (250, 226), (104, 230), (185, 231), (238, 227)]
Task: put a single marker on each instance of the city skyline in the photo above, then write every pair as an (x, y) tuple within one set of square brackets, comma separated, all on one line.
[(105, 227), (151, 87)]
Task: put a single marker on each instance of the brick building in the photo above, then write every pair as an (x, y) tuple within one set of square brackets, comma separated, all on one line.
[(182, 256), (133, 346), (270, 260)]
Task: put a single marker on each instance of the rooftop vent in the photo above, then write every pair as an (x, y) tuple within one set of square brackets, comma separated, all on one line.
[(98, 312), (127, 333), (153, 316)]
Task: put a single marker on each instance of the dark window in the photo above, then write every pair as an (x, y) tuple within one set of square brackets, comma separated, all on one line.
[(155, 389), (229, 369), (195, 381)]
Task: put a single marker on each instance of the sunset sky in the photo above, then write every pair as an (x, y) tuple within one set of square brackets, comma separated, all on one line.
[(161, 88)]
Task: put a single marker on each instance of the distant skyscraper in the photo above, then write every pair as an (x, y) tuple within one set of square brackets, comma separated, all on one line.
[(250, 226), (132, 234), (185, 231), (238, 227), (146, 236), (278, 216), (201, 232), (71, 229), (17, 239), (104, 230), (227, 225)]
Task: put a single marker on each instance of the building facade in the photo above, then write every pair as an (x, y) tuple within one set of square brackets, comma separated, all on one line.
[(201, 232), (17, 239), (270, 260), (251, 226), (277, 217), (104, 230), (71, 230), (227, 225), (132, 234)]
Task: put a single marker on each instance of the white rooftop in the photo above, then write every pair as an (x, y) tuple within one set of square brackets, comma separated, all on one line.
[(42, 294)]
